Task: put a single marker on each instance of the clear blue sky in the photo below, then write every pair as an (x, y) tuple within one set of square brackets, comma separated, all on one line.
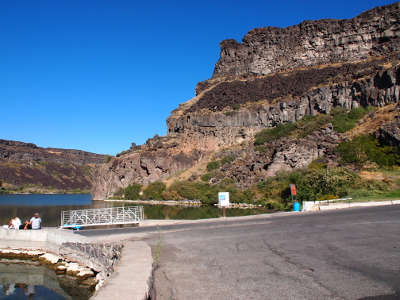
[(100, 75)]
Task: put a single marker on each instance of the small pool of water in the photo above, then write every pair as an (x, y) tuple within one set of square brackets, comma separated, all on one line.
[(18, 281)]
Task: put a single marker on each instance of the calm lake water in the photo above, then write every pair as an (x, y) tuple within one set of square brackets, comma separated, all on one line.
[(50, 207)]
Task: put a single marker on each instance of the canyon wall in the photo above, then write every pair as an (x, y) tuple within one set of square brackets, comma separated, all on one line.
[(275, 76)]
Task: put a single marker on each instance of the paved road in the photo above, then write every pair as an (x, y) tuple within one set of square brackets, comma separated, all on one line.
[(341, 254)]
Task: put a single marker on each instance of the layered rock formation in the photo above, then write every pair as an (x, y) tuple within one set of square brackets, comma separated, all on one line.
[(25, 164), (19, 151), (274, 76), (311, 43)]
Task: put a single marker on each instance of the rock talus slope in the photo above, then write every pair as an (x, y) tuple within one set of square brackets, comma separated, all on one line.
[(276, 75)]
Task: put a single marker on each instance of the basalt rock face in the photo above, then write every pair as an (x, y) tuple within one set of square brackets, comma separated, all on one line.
[(144, 165), (25, 164), (269, 50), (19, 151), (366, 84), (273, 77)]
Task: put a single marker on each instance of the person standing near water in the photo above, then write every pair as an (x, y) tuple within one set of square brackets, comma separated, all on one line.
[(34, 223)]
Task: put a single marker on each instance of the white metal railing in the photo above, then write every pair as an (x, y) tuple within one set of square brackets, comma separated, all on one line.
[(101, 216)]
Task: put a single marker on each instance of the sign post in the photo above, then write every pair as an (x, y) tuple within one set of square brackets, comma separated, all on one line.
[(223, 201), (293, 192)]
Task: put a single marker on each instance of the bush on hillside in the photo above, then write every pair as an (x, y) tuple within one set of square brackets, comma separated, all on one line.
[(365, 148), (227, 159), (309, 124), (271, 134), (207, 194), (208, 176), (346, 121), (318, 183), (154, 191), (213, 165), (132, 191)]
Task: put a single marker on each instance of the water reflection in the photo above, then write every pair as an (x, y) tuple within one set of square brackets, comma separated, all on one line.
[(50, 207), (31, 282)]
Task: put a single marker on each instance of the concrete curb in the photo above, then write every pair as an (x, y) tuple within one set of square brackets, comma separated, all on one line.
[(353, 204)]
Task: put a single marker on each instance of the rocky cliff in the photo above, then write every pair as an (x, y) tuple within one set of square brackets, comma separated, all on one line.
[(19, 151), (275, 76), (27, 165)]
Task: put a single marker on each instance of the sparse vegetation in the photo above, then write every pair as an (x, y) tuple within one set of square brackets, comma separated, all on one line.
[(227, 159), (213, 165), (271, 134)]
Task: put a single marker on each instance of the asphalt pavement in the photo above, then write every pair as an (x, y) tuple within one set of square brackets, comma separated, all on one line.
[(339, 254)]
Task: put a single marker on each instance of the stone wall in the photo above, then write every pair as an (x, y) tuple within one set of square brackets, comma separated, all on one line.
[(101, 257)]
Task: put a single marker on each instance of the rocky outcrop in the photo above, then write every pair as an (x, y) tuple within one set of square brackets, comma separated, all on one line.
[(25, 164), (226, 126), (143, 166), (273, 77), (251, 166), (269, 50), (19, 151)]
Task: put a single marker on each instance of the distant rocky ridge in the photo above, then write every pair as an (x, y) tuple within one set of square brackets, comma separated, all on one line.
[(25, 164), (19, 151), (273, 77)]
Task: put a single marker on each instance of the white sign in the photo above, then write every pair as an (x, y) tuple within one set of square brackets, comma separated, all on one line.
[(223, 199)]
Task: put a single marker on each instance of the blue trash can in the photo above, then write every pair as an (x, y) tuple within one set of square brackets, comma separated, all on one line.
[(296, 206)]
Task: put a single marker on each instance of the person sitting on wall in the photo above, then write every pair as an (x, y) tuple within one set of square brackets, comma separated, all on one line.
[(14, 223), (34, 223)]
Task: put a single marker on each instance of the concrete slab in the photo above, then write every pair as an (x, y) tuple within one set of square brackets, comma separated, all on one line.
[(359, 204), (334, 206), (131, 279)]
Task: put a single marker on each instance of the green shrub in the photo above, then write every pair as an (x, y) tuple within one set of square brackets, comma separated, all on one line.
[(347, 121), (208, 176), (357, 113), (213, 165), (373, 185), (204, 192), (154, 191), (271, 134), (358, 193), (364, 148), (260, 148), (314, 124), (337, 111), (224, 183), (318, 183), (236, 106), (342, 123), (227, 159), (132, 191), (171, 195)]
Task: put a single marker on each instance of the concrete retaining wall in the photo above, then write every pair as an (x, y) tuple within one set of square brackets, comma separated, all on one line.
[(101, 257)]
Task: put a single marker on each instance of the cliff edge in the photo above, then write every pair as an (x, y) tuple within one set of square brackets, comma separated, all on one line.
[(275, 76)]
